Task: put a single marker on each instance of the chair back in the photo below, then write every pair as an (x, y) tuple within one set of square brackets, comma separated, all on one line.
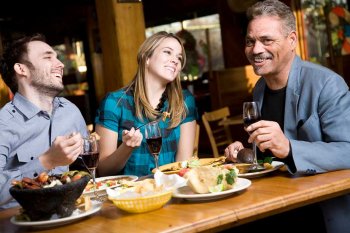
[(219, 136)]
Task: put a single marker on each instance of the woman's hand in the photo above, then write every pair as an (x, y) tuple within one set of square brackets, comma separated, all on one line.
[(132, 138)]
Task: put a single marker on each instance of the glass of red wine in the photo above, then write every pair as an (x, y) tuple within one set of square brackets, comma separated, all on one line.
[(154, 140), (251, 114), (90, 155)]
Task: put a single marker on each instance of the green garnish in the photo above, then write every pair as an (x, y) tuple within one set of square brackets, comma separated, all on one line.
[(220, 178), (230, 176), (268, 160), (265, 160)]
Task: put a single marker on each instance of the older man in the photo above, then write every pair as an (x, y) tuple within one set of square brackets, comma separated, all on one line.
[(305, 107)]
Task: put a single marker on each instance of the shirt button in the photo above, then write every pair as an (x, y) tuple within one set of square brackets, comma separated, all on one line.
[(13, 111), (35, 174), (31, 158)]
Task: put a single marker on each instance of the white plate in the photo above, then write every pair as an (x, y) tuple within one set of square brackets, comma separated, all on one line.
[(55, 221), (186, 192), (102, 189), (275, 165)]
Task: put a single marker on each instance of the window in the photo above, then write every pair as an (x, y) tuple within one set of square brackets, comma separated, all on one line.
[(202, 40)]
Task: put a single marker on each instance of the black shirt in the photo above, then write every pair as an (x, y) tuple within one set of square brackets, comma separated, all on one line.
[(273, 110)]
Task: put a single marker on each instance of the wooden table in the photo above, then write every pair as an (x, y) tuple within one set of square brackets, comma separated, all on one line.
[(269, 195)]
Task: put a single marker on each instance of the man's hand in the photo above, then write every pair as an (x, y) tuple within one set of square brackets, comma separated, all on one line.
[(268, 135), (232, 150), (63, 151)]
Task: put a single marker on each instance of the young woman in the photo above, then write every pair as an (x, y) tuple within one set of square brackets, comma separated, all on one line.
[(154, 92)]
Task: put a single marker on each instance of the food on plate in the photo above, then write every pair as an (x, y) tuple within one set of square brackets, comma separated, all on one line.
[(183, 164), (43, 180), (267, 166), (245, 159), (213, 162), (183, 171), (243, 167), (147, 185), (190, 163), (83, 203), (40, 199), (208, 179), (245, 155), (145, 196), (107, 183), (194, 162), (136, 189)]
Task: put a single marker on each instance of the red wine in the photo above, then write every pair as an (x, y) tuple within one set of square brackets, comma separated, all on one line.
[(154, 144), (90, 159), (250, 120)]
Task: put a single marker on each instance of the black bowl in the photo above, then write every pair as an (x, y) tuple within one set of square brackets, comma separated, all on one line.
[(41, 204)]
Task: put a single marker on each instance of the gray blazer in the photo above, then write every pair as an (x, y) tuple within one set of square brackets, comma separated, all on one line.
[(317, 117), (317, 123)]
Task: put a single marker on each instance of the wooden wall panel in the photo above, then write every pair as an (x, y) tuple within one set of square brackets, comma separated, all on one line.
[(233, 30), (122, 30), (231, 87)]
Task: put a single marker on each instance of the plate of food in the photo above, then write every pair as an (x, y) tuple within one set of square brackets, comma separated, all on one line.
[(102, 183), (210, 183), (55, 220), (275, 165), (174, 168), (188, 194)]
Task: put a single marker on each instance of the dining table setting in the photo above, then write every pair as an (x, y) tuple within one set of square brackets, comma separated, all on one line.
[(169, 201)]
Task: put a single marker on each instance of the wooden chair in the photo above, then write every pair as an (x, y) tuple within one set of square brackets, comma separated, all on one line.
[(219, 136), (196, 141)]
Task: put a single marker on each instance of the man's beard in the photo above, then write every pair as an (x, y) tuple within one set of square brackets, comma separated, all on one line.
[(44, 85)]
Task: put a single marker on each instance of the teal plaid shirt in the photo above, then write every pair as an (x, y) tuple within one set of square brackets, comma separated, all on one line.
[(117, 113)]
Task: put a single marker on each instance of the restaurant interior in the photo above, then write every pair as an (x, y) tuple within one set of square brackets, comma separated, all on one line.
[(98, 42)]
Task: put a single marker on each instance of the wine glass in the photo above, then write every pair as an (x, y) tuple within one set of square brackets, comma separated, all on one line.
[(251, 114), (90, 156), (154, 140)]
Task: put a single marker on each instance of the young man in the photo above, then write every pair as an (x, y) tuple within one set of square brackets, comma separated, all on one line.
[(305, 107), (38, 130)]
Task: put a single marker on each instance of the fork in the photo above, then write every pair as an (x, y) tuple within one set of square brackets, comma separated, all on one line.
[(163, 116)]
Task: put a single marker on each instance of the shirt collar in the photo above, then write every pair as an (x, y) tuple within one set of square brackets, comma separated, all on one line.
[(29, 109)]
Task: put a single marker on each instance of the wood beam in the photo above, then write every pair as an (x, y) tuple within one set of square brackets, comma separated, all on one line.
[(122, 31)]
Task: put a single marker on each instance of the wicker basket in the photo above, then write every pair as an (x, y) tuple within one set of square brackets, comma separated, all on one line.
[(142, 204)]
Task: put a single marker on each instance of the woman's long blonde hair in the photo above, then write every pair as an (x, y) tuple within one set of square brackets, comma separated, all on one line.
[(177, 108)]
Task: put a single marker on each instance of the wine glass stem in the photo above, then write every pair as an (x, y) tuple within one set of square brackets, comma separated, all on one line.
[(93, 174), (155, 156), (256, 165), (255, 156)]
